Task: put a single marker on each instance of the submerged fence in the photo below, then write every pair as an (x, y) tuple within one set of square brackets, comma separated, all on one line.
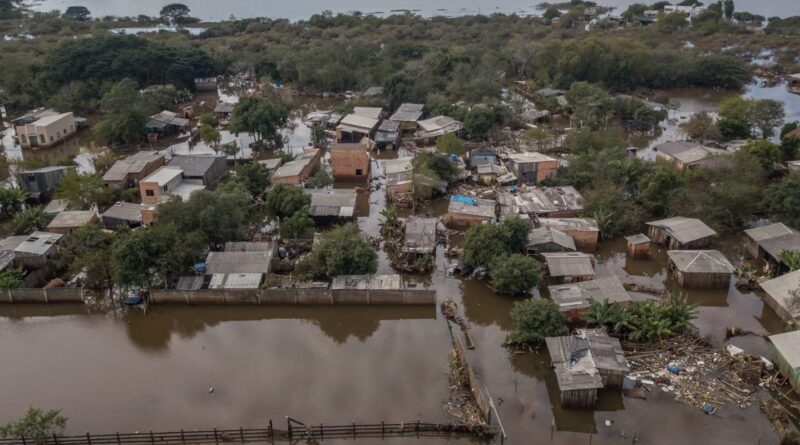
[(294, 431), (39, 295), (297, 296)]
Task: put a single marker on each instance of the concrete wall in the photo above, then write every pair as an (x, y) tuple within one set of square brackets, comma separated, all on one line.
[(54, 295), (311, 296)]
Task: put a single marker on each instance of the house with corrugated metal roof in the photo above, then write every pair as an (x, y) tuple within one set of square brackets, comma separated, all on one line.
[(543, 202), (546, 240), (701, 269), (420, 236), (568, 267), (574, 298), (769, 242), (408, 115), (464, 212), (786, 355), (681, 233), (687, 154), (126, 173), (584, 231), (782, 294), (332, 206)]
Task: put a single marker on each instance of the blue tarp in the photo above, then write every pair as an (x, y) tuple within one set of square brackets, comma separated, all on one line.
[(464, 199), (132, 300), (200, 267)]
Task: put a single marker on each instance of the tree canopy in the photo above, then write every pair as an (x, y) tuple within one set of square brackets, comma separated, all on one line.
[(259, 116)]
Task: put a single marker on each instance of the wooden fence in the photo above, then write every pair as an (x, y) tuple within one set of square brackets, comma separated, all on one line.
[(38, 295), (295, 296), (474, 384), (294, 431)]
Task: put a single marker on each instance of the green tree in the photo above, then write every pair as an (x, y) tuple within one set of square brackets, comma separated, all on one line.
[(127, 113), (257, 115), (535, 319), (88, 249), (762, 153), (296, 225), (484, 243), (146, 258), (254, 177), (514, 274), (342, 251), (219, 216), (11, 200), (658, 188), (728, 8), (766, 115), (80, 13), (36, 425), (590, 104), (29, 220), (438, 165), (614, 211), (671, 22), (702, 128), (398, 89), (210, 135), (322, 177), (450, 144), (174, 12), (284, 201), (782, 200), (12, 278), (479, 121), (791, 258), (319, 137), (83, 191), (517, 230)]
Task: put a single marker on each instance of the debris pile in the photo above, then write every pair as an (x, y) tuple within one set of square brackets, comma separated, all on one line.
[(450, 312), (698, 374), (461, 402)]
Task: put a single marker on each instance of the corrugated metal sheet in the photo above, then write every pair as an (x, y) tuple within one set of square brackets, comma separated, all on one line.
[(685, 230), (700, 261)]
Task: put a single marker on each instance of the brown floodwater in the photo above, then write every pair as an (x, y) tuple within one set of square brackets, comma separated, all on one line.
[(121, 370)]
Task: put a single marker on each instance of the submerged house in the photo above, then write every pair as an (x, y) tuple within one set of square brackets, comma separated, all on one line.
[(786, 355), (532, 167), (568, 267), (544, 240), (350, 162), (420, 236), (166, 123), (126, 173), (40, 184), (543, 202), (769, 242), (239, 269), (37, 249), (297, 171), (479, 156), (388, 135), (584, 231), (574, 298), (585, 363), (781, 294), (44, 128), (793, 83), (464, 212), (332, 206), (358, 125), (700, 269), (431, 129), (681, 233), (399, 176), (686, 154), (224, 110), (407, 115)]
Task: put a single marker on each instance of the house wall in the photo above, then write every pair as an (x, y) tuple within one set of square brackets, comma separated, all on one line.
[(585, 241), (611, 378), (570, 279), (157, 190), (48, 135), (786, 369), (701, 280), (40, 182), (350, 164), (637, 251), (660, 236), (313, 296), (781, 311), (461, 221), (533, 172), (579, 398), (68, 230)]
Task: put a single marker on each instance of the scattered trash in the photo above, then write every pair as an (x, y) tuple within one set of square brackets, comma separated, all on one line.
[(709, 409), (673, 368), (734, 350), (211, 390)]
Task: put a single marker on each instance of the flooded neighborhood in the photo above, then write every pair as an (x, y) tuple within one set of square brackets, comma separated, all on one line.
[(236, 234)]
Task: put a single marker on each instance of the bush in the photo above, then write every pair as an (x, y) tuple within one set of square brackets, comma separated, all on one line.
[(296, 225), (514, 274), (36, 425), (342, 251), (643, 321), (285, 200), (486, 242), (535, 319)]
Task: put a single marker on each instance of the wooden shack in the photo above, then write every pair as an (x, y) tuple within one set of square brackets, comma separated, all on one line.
[(681, 233), (575, 298), (544, 240), (780, 295), (638, 246), (700, 269), (584, 231), (583, 364), (786, 355), (768, 242)]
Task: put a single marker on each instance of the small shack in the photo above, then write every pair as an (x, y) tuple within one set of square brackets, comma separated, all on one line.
[(224, 110), (769, 242), (40, 184), (420, 236), (569, 267), (478, 156), (544, 240), (202, 169), (574, 298), (700, 269), (584, 231), (681, 233), (407, 116), (298, 170), (687, 154), (37, 249), (68, 221), (464, 212), (332, 206), (793, 83), (638, 246), (532, 167), (786, 355), (355, 127), (122, 214), (435, 127), (166, 123), (127, 173), (583, 364), (782, 294), (205, 83), (388, 135)]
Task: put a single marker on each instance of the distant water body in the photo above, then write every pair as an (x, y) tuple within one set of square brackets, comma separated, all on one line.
[(215, 10)]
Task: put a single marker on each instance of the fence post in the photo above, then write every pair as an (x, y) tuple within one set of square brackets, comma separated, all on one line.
[(216, 438), (270, 428), (152, 438), (321, 431), (183, 439), (55, 439), (289, 427), (88, 438), (23, 439), (354, 429), (118, 441), (241, 433), (383, 429), (417, 428)]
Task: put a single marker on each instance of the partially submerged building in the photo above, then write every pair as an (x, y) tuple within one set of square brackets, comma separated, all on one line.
[(782, 294), (687, 154), (38, 249), (205, 83), (165, 182), (532, 167), (786, 355), (388, 135), (479, 156), (638, 246), (126, 173), (44, 128), (358, 125), (399, 176), (681, 233), (574, 298), (543, 202), (350, 162), (700, 269), (584, 231), (568, 267), (297, 171), (464, 212), (407, 115), (203, 169), (68, 221), (224, 110), (769, 242), (166, 123), (544, 240), (431, 129), (793, 83), (238, 269), (332, 206), (40, 184), (420, 236), (585, 363)]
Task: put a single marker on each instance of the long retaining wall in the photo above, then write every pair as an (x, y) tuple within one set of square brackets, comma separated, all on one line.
[(38, 295), (311, 296)]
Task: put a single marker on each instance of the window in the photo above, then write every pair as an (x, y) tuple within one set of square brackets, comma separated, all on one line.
[(31, 178), (359, 172), (150, 192)]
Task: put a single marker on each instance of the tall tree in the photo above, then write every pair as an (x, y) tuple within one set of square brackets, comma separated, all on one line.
[(80, 13), (83, 191), (174, 13), (257, 115), (127, 112)]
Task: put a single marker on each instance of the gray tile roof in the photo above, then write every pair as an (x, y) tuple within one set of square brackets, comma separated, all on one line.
[(420, 235), (543, 235), (334, 202), (700, 261), (569, 264), (578, 295), (194, 165)]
